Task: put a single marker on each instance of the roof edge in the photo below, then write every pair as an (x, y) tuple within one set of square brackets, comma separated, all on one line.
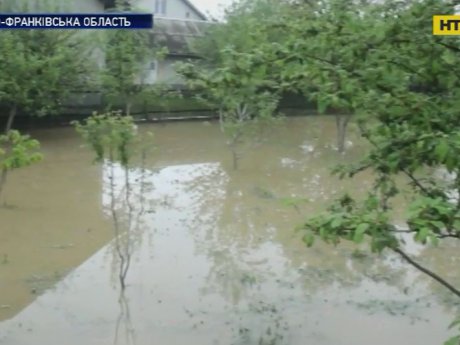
[(193, 7), (160, 17)]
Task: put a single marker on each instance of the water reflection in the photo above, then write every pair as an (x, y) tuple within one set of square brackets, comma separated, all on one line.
[(124, 197), (125, 333), (215, 260)]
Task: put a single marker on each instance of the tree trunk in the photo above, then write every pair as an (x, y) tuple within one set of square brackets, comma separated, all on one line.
[(128, 108), (3, 181), (9, 124), (235, 159), (221, 120), (11, 117), (341, 122)]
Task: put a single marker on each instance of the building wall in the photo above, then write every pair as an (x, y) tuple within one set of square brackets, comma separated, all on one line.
[(174, 9), (160, 72), (166, 72), (82, 6), (88, 6)]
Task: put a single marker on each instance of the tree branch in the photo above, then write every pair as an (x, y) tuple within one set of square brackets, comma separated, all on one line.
[(457, 236), (428, 272), (417, 183), (448, 46)]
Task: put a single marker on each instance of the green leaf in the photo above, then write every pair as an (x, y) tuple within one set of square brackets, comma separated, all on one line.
[(336, 222), (442, 150), (322, 105), (453, 341), (309, 239), (422, 235), (454, 324), (358, 235)]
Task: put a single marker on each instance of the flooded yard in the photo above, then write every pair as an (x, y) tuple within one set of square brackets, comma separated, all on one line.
[(215, 257)]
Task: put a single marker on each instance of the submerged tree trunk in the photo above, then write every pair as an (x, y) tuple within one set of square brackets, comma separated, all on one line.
[(233, 145), (3, 178), (128, 108), (342, 122), (221, 120), (235, 158), (9, 125)]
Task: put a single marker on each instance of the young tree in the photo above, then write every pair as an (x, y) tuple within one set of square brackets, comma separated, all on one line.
[(242, 92), (114, 139), (288, 34), (128, 53)]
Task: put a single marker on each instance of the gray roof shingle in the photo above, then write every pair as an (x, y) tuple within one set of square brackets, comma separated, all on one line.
[(178, 35)]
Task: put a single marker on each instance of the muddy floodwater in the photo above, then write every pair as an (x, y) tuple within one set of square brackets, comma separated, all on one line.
[(215, 258)]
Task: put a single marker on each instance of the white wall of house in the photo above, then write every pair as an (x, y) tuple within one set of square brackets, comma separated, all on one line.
[(168, 8), (82, 6), (166, 71), (160, 72), (88, 6), (149, 75)]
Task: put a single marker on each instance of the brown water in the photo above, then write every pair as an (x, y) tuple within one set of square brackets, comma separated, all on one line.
[(215, 259)]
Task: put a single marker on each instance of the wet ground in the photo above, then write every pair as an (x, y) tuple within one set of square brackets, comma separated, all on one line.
[(215, 258)]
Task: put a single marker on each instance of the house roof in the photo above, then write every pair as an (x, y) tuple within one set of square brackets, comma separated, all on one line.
[(111, 3), (178, 35), (193, 7)]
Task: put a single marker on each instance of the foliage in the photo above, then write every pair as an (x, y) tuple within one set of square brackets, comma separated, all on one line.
[(127, 55), (380, 62), (454, 340), (113, 137), (413, 100), (242, 30), (17, 151), (110, 135), (40, 68), (242, 91)]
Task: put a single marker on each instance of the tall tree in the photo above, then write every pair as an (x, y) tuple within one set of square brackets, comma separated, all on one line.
[(241, 89), (128, 55), (403, 84), (38, 71)]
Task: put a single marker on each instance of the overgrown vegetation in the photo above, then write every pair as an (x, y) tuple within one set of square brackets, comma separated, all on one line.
[(242, 92), (16, 151), (38, 70), (380, 63)]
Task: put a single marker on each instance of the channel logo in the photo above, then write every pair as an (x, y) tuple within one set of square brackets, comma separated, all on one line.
[(446, 25)]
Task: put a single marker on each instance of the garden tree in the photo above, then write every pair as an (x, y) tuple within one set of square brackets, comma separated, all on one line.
[(242, 92), (38, 71), (114, 140), (243, 30), (127, 55), (403, 85), (286, 28), (317, 38)]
